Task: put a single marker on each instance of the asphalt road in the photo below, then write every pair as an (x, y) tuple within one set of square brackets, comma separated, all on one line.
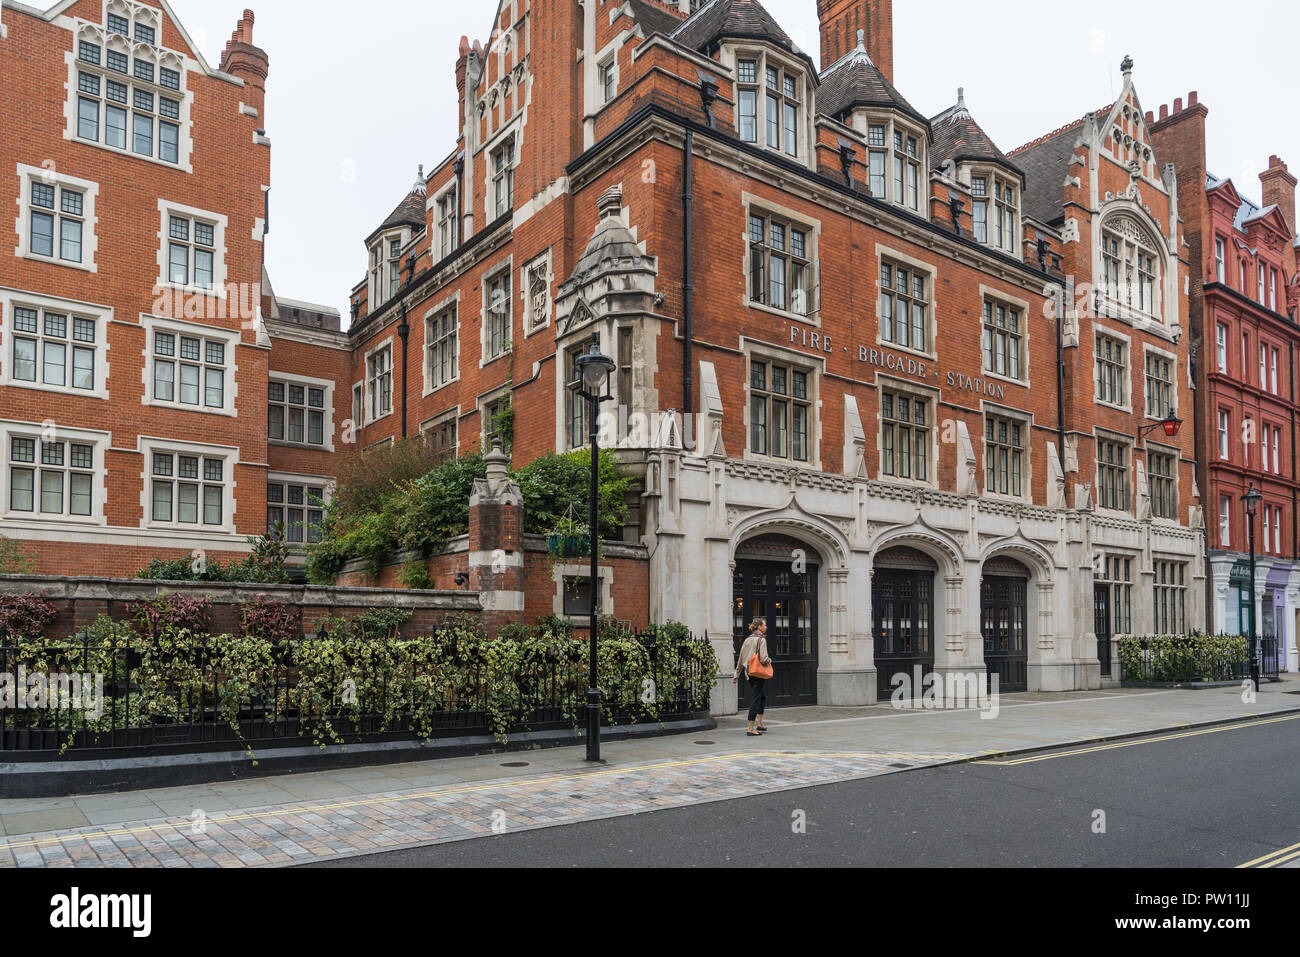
[(1214, 799)]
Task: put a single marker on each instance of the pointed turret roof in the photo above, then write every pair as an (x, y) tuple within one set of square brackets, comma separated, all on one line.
[(409, 212), (734, 20), (957, 138), (854, 81)]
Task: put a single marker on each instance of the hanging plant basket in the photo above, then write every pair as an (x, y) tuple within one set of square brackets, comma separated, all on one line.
[(569, 545)]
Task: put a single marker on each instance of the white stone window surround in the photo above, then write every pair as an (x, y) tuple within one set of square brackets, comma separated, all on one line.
[(1026, 422), (997, 177), (231, 338), (426, 369), (1150, 448), (531, 326), (435, 422), (484, 402), (327, 484), (10, 429), (752, 203), (156, 54), (434, 204), (503, 268), (898, 258), (167, 209), (380, 278), (1128, 222), (606, 56), (999, 296), (308, 382), (23, 223), (730, 56), (1100, 435), (514, 129), (754, 349), (606, 576), (895, 123), (367, 404), (1127, 341), (1149, 349), (357, 413), (148, 445), (887, 383), (101, 315)]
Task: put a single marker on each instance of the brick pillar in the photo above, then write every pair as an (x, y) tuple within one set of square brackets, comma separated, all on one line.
[(496, 551)]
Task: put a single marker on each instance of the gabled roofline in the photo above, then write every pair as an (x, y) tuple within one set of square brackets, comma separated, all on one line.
[(50, 15)]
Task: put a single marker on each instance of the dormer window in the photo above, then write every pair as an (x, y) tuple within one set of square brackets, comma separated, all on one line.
[(769, 103), (895, 157), (995, 211), (386, 268)]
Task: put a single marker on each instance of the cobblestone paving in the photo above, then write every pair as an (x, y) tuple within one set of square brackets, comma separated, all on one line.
[(293, 834)]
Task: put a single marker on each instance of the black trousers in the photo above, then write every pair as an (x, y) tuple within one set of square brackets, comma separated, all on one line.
[(757, 697)]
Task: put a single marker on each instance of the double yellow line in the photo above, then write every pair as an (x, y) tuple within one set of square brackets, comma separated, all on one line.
[(1218, 729), (1274, 859)]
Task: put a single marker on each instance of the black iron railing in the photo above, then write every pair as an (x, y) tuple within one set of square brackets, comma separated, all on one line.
[(134, 699), (1195, 658)]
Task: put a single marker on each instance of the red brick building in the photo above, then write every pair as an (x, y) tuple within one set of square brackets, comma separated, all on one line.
[(1244, 316), (835, 335), (853, 371)]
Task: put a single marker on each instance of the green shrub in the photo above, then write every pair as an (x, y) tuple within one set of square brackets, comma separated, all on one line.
[(1183, 658), (555, 488)]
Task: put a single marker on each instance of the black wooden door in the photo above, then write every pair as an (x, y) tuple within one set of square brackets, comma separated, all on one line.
[(787, 601), (902, 613), (1003, 612), (1101, 625)]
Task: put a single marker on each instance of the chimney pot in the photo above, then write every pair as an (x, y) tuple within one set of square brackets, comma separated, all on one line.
[(1164, 111), (1193, 98), (1178, 105)]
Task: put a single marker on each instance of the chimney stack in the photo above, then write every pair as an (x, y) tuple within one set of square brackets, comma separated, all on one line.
[(249, 63), (842, 19), (1279, 190)]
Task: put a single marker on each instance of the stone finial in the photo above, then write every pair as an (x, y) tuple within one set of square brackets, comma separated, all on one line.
[(610, 203), (420, 184), (862, 40), (498, 466), (961, 97), (1127, 66)]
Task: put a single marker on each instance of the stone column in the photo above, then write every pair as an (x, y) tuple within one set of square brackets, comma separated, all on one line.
[(496, 555)]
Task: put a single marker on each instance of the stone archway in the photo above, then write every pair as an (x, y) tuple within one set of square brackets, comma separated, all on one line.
[(1017, 614)]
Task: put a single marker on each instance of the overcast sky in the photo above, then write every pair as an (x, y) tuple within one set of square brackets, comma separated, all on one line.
[(356, 103)]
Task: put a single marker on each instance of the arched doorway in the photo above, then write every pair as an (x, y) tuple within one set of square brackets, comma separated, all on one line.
[(776, 580), (902, 615), (1004, 610)]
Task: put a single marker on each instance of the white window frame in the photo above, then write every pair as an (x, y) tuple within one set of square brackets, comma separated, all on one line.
[(431, 318), (89, 190), (607, 80), (503, 270), (1225, 522), (1127, 343), (891, 156), (191, 330), (11, 299), (134, 50), (168, 209), (1148, 351), (446, 205), (100, 441), (1129, 469), (1224, 431), (381, 289), (1117, 301), (1221, 347), (991, 413), (1001, 217), (997, 299), (754, 350), (502, 177), (148, 445), (1220, 259), (485, 403), (897, 258), (559, 573), (786, 67), (372, 415), (325, 484), (430, 426), (1168, 452), (327, 417)]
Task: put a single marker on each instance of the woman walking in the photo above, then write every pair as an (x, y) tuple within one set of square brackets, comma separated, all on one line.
[(755, 644)]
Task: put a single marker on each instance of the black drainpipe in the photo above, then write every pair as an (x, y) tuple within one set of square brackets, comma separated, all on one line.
[(688, 374), (459, 167), (1064, 292), (404, 330)]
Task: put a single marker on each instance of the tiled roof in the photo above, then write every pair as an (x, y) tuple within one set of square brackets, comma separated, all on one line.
[(1045, 163), (654, 18), (409, 212), (957, 137), (733, 19), (1246, 212), (855, 81)]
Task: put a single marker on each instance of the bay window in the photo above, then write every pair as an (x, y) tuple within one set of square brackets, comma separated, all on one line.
[(769, 95)]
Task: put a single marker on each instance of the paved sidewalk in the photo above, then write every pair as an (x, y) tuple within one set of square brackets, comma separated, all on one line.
[(317, 816)]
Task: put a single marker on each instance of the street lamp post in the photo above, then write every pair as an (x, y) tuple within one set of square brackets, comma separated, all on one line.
[(595, 368), (1252, 500)]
